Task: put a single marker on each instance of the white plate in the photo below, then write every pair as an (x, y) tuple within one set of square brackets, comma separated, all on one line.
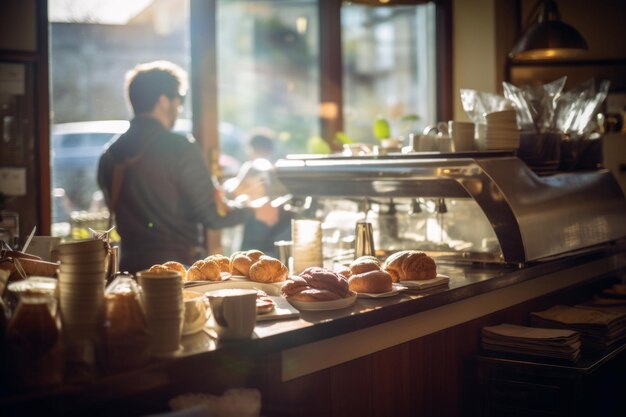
[(225, 276), (270, 289), (239, 278), (282, 310), (323, 305), (428, 283), (394, 291)]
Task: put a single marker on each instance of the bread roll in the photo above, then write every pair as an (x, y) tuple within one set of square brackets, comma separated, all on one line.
[(178, 267), (410, 266), (158, 268), (324, 279), (222, 261), (372, 282), (204, 271), (268, 269), (316, 284), (241, 262), (364, 264)]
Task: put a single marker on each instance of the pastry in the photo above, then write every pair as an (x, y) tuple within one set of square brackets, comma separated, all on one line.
[(410, 266), (221, 260), (159, 269), (372, 282), (241, 262), (204, 271), (316, 284), (268, 269), (264, 304), (178, 267), (343, 270), (364, 264)]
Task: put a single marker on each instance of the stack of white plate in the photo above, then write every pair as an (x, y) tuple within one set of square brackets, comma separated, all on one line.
[(165, 309), (500, 131), (81, 287)]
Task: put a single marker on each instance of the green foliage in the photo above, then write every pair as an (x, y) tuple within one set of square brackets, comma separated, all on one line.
[(381, 128), (317, 145)]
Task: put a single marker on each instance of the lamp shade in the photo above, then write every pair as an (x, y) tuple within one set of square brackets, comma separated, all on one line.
[(549, 38)]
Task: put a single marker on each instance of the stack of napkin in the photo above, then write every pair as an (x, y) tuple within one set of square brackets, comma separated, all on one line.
[(531, 341), (600, 330)]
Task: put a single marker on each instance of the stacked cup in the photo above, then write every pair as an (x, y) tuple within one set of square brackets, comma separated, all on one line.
[(165, 310), (307, 244), (501, 131), (82, 275), (462, 135)]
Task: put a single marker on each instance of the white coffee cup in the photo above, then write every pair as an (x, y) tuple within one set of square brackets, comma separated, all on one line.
[(462, 135), (233, 312)]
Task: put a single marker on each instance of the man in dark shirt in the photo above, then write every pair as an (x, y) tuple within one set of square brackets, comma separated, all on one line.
[(165, 194)]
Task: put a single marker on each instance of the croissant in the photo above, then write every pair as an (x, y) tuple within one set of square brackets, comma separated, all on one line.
[(410, 266), (178, 267), (268, 269), (240, 262), (204, 270), (222, 261)]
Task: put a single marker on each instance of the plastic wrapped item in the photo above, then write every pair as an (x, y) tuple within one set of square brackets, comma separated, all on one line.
[(535, 105), (126, 343), (575, 110), (477, 103)]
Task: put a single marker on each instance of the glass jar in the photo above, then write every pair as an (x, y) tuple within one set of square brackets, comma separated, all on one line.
[(126, 340), (33, 343)]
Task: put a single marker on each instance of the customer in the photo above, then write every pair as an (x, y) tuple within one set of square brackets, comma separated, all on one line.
[(256, 180), (156, 182)]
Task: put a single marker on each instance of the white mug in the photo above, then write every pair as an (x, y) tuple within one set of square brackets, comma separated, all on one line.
[(233, 312)]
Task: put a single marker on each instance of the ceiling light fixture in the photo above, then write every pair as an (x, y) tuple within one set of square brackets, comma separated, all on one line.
[(549, 37)]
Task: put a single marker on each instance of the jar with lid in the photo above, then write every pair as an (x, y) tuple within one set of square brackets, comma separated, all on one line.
[(33, 345)]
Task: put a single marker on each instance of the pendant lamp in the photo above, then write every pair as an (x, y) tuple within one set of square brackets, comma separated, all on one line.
[(549, 37)]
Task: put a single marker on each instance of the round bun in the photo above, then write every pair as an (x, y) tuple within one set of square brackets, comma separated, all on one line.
[(410, 266), (159, 269), (268, 269), (178, 267), (343, 270), (204, 271), (372, 282), (364, 264), (222, 261)]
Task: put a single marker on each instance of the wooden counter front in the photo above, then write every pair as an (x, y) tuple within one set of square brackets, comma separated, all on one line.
[(405, 355)]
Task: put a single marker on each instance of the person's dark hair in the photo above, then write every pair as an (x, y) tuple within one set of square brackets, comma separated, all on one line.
[(147, 82)]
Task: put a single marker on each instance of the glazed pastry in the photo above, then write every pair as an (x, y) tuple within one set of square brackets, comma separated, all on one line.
[(222, 261), (364, 264), (372, 282), (204, 271), (316, 284), (410, 266), (268, 269), (178, 267)]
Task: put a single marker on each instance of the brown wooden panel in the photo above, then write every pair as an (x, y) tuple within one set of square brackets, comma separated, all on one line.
[(306, 396), (351, 388), (391, 393)]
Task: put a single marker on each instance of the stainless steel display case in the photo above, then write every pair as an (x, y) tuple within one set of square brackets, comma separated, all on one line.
[(485, 207)]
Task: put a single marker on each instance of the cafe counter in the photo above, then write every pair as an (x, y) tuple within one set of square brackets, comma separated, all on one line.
[(404, 355)]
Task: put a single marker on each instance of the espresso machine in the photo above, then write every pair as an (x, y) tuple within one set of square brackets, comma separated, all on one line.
[(487, 208)]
